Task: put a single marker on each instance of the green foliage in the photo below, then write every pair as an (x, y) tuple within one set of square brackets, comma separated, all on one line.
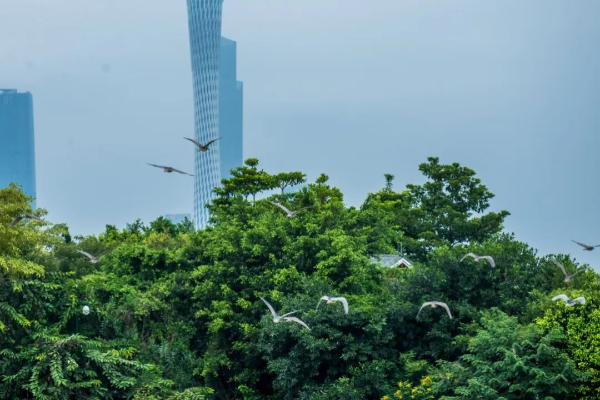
[(446, 210), (175, 312), (286, 179), (510, 361), (581, 325)]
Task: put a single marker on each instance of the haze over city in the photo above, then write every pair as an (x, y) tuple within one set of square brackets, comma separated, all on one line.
[(351, 88)]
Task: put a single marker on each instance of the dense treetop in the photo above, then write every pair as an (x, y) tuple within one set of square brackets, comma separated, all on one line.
[(175, 312)]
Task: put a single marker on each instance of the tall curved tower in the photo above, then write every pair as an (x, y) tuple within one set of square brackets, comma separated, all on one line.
[(204, 21)]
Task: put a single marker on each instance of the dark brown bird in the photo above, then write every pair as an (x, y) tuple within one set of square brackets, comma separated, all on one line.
[(22, 217), (202, 147), (170, 169), (585, 246)]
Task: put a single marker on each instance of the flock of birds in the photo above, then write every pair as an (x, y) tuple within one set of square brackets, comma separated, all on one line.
[(434, 303), (201, 147), (285, 318), (329, 300)]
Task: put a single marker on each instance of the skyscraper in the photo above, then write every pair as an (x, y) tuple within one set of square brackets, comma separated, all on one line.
[(17, 149), (177, 218), (231, 111), (204, 22)]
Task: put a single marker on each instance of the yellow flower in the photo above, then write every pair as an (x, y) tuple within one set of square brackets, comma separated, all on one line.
[(386, 397), (426, 381)]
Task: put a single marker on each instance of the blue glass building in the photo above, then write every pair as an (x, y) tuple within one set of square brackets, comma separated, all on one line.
[(17, 148), (177, 218), (231, 111), (204, 22)]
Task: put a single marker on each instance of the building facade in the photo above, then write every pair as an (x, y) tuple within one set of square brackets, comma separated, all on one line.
[(204, 22), (17, 146), (231, 109), (178, 218)]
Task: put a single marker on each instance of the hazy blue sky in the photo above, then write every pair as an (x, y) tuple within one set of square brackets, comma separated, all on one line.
[(353, 88)]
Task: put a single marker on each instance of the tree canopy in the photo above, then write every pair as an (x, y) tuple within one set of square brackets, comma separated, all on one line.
[(175, 313)]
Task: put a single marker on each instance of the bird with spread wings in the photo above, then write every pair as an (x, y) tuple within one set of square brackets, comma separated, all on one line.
[(284, 317), (202, 147), (170, 169)]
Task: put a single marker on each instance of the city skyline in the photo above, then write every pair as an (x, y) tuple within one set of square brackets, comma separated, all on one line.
[(334, 81), (17, 141), (204, 18), (231, 109)]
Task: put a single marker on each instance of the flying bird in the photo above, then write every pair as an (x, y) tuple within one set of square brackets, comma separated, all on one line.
[(331, 300), (290, 214), (93, 259), (568, 302), (170, 169), (284, 317), (585, 246), (22, 217), (434, 304), (202, 147), (568, 277), (476, 258)]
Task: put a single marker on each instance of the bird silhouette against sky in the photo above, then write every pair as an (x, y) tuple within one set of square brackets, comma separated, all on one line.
[(202, 147), (170, 169), (585, 246)]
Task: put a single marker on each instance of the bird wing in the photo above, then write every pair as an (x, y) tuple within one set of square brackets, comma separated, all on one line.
[(104, 252), (305, 208), (562, 296), (284, 208), (290, 313), (490, 260), (427, 303), (157, 166), (581, 270), (562, 268), (296, 320), (581, 300), (579, 243), (88, 255), (16, 221), (197, 143), (469, 255), (343, 301), (320, 300), (212, 141), (270, 308), (439, 303), (181, 172)]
